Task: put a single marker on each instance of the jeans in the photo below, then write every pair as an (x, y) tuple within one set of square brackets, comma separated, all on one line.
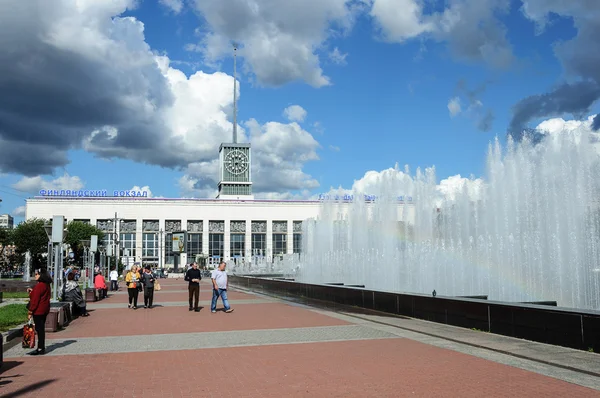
[(148, 296), (194, 294), (114, 285), (133, 296), (40, 328), (215, 297)]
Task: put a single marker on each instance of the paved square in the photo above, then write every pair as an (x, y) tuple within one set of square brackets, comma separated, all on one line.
[(260, 350)]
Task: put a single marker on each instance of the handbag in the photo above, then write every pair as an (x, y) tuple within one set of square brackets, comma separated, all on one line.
[(156, 286), (28, 335)]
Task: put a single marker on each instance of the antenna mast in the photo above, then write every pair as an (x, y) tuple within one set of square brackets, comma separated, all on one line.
[(234, 96)]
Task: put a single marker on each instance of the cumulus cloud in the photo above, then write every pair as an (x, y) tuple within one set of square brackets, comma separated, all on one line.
[(79, 75), (278, 40), (295, 113), (18, 212), (33, 185), (279, 152), (454, 106), (472, 29), (174, 5), (145, 188), (554, 128), (580, 57)]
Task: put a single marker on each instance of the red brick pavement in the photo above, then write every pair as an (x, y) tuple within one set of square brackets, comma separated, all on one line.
[(127, 322), (374, 368)]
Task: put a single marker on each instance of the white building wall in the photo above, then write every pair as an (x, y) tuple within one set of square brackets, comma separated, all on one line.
[(207, 210)]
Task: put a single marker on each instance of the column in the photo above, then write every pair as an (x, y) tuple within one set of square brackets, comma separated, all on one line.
[(269, 248), (205, 236), (184, 257), (138, 241), (161, 242), (290, 237), (248, 239), (226, 239)]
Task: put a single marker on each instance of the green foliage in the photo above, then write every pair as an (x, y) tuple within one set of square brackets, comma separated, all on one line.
[(78, 231), (12, 315), (30, 235)]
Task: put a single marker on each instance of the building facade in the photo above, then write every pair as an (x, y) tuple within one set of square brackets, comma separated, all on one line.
[(6, 221), (214, 228)]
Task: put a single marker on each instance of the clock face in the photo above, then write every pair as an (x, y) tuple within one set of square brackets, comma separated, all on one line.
[(236, 162)]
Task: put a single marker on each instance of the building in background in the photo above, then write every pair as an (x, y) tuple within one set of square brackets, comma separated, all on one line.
[(234, 226), (7, 221)]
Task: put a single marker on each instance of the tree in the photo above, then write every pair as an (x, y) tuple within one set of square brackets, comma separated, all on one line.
[(30, 235), (78, 231)]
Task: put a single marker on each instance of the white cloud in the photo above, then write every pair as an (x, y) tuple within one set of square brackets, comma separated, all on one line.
[(337, 57), (558, 128), (106, 91), (34, 184), (279, 152), (174, 5), (453, 186), (471, 28), (145, 188), (395, 182), (295, 113), (400, 20), (334, 148), (278, 40), (454, 106), (19, 212)]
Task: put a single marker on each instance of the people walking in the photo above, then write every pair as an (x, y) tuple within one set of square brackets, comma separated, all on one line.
[(148, 282), (219, 281), (114, 280), (193, 276), (39, 307), (132, 280)]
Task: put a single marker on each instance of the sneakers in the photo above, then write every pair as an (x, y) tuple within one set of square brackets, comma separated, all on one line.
[(213, 311), (191, 309), (197, 309), (229, 310)]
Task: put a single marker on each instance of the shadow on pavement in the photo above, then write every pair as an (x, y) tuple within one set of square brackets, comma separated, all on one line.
[(8, 365), (60, 345), (29, 389)]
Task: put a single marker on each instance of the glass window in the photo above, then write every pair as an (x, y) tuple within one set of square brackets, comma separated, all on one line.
[(128, 249), (168, 243), (237, 245), (297, 243), (259, 244), (215, 245), (194, 245), (150, 246), (279, 244)]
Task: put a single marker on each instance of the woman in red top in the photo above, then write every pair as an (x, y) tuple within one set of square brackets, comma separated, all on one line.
[(39, 307)]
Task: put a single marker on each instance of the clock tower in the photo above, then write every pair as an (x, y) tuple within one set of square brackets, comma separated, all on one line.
[(235, 160)]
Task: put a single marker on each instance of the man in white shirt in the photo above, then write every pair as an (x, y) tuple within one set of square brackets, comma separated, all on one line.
[(219, 281), (114, 280)]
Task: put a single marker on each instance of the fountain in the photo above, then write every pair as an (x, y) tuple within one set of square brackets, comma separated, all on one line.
[(531, 232)]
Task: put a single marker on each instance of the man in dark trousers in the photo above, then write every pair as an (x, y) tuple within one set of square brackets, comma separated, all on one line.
[(193, 276)]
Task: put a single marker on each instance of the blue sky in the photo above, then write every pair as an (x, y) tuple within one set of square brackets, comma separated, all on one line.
[(391, 77)]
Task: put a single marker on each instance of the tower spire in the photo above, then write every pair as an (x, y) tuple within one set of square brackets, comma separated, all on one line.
[(234, 95)]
